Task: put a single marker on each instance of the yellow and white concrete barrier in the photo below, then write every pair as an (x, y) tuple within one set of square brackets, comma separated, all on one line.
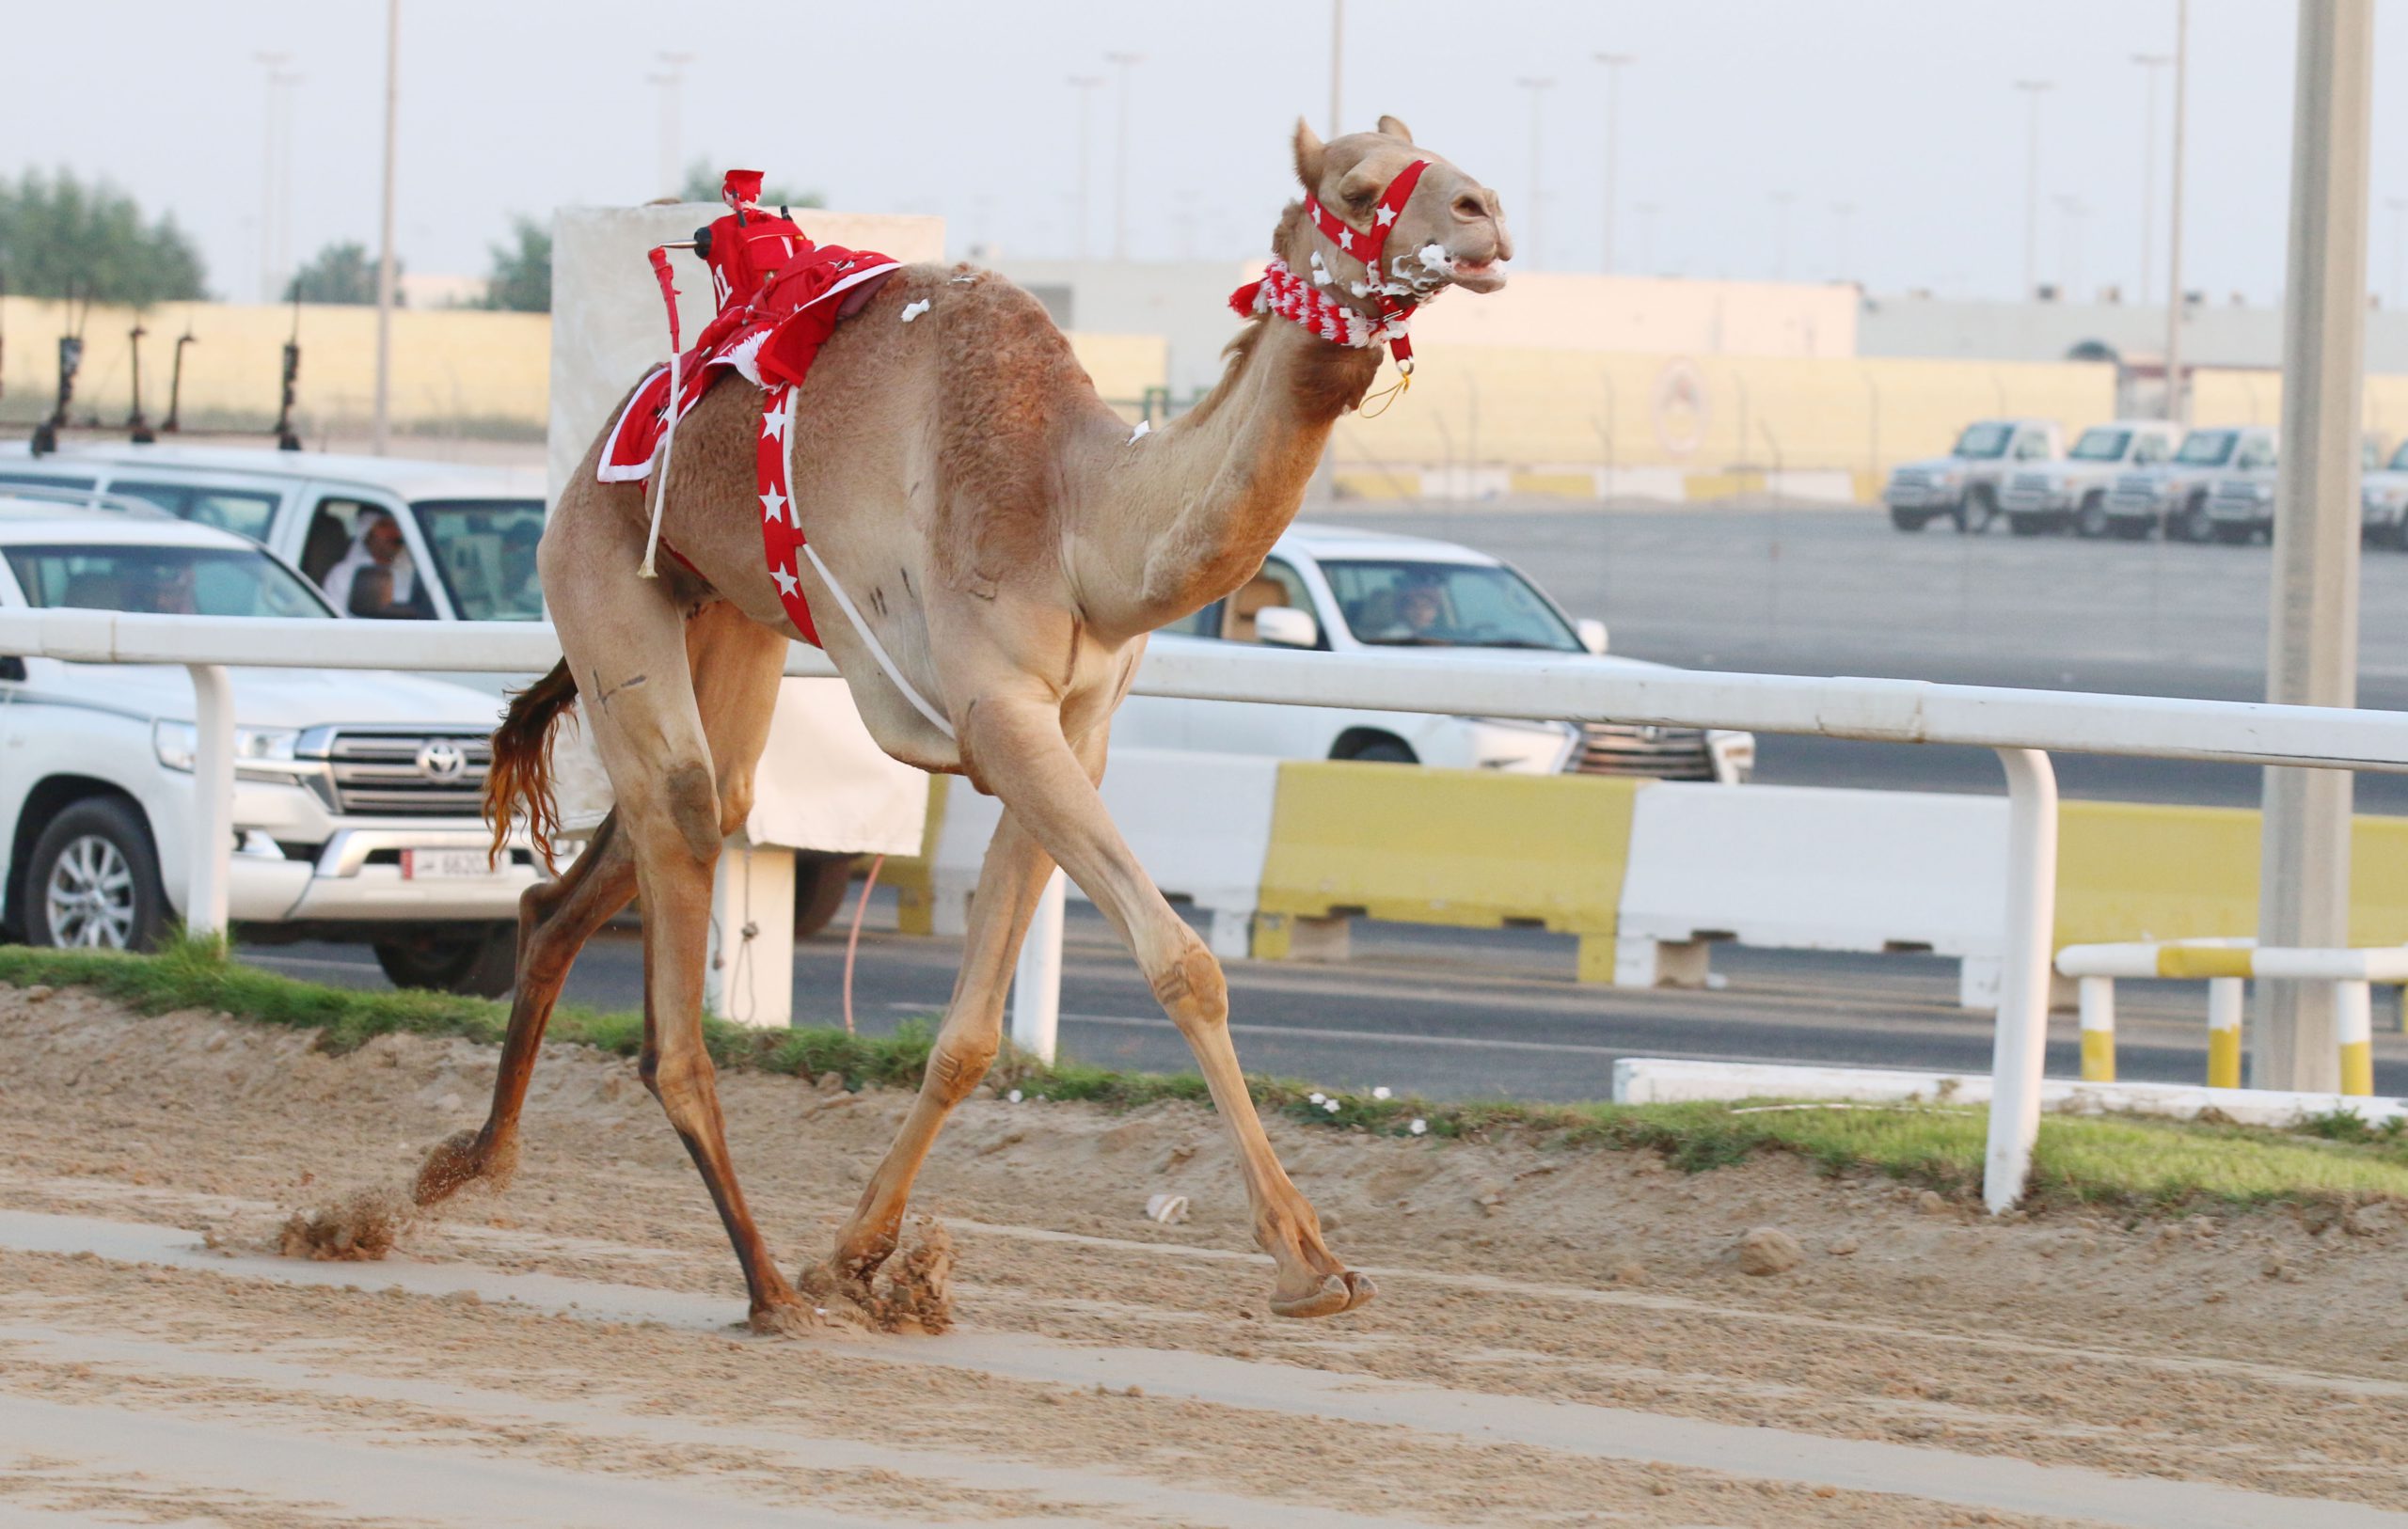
[(2226, 964)]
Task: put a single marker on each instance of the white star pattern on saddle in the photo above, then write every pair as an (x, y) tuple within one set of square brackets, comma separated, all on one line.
[(787, 583), (773, 504), (773, 425), (1387, 216)]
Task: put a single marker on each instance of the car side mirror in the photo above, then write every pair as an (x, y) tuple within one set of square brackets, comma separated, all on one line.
[(1284, 626), (12, 668), (1592, 633)]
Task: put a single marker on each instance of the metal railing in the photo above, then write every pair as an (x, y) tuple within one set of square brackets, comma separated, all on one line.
[(2226, 965), (2021, 725)]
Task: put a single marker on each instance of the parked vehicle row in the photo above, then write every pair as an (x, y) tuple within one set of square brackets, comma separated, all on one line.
[(2129, 479), (358, 795)]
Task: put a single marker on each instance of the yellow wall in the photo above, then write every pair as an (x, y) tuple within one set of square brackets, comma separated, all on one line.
[(2255, 398), (453, 369), (1528, 409)]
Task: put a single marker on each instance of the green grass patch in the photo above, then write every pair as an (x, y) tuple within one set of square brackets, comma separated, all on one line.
[(2115, 1161)]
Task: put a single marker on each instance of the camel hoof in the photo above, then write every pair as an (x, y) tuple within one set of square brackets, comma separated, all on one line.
[(457, 1160), (787, 1319), (1363, 1291), (1332, 1296)]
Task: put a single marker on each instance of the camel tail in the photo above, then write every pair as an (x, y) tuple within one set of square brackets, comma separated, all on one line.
[(519, 782)]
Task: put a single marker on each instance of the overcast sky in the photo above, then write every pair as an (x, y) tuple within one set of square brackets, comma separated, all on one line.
[(1905, 108)]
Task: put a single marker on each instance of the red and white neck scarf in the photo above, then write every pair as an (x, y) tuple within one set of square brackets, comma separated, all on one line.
[(1284, 292)]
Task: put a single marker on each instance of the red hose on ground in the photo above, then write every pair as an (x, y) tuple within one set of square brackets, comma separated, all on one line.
[(853, 941)]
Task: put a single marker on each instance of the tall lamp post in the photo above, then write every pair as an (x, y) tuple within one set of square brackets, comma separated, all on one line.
[(2033, 90), (2312, 637), (1124, 62), (1615, 63), (1538, 88), (1086, 85), (672, 81), (2152, 62), (1337, 63), (382, 432), (277, 79)]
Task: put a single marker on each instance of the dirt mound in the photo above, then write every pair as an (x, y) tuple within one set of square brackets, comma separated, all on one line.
[(361, 1227)]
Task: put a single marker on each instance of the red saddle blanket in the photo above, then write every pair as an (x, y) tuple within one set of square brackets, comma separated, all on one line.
[(769, 342)]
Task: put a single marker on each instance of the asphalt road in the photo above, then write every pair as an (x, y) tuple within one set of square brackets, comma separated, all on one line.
[(1467, 1014), (1808, 592), (1449, 1013)]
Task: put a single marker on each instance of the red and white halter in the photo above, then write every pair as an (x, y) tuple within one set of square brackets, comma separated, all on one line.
[(1300, 300)]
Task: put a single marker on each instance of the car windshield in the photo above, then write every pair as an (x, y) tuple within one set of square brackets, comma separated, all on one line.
[(2206, 447), (2101, 445), (484, 551), (1980, 442), (1445, 605), (164, 580)]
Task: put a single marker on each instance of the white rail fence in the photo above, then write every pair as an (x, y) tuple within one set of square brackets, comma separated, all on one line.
[(2021, 725)]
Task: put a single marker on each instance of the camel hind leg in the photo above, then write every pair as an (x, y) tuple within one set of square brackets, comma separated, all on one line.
[(557, 917)]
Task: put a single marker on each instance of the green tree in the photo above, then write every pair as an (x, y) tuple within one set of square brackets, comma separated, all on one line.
[(59, 236), (339, 274), (703, 184), (520, 279)]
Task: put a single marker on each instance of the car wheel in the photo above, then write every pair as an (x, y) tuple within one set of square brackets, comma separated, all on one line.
[(2237, 536), (819, 883), (2192, 523), (2090, 522), (1907, 520), (1974, 513), (1384, 751), (94, 881), (478, 959)]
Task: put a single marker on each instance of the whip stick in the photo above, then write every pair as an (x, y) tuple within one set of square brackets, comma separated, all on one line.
[(669, 435)]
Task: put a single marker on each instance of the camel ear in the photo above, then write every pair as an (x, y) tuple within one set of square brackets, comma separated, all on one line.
[(1310, 156), (1396, 129)]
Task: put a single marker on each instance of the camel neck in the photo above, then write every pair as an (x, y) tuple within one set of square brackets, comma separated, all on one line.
[(1229, 475)]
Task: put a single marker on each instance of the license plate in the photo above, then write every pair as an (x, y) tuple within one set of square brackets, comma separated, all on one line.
[(443, 864)]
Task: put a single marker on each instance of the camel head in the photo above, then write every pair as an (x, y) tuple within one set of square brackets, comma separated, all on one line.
[(1450, 232)]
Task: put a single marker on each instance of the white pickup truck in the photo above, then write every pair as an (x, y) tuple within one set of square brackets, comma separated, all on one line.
[(1965, 485), (356, 810), (2071, 492)]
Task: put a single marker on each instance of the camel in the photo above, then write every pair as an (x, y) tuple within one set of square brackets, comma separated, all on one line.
[(1010, 544)]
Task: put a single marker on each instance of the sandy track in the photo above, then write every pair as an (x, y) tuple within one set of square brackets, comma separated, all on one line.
[(1561, 1338)]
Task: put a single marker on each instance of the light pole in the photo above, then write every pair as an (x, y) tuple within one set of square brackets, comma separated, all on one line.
[(2152, 62), (1084, 85), (2069, 270), (274, 63), (1647, 211), (1123, 62), (2398, 206), (672, 82), (1538, 88), (1843, 214), (1615, 63), (2312, 636), (1337, 62), (1781, 200), (381, 434), (2033, 90), (2177, 406)]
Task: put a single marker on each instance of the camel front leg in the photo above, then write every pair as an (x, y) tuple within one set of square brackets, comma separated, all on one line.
[(1017, 747), (1009, 882)]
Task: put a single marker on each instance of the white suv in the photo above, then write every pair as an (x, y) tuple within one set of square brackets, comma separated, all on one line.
[(356, 796), (1412, 599)]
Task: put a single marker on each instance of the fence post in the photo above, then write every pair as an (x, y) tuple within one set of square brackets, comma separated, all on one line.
[(212, 800), (2224, 1032), (2354, 1027), (2097, 1030), (1037, 981), (2021, 1046)]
